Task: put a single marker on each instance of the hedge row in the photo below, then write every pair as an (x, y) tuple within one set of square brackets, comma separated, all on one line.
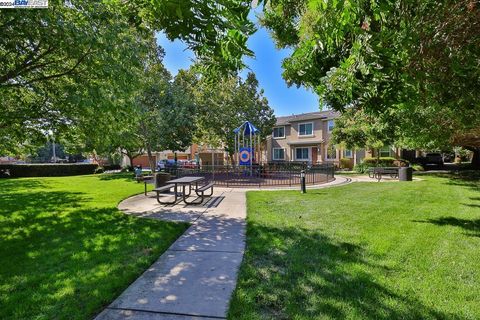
[(47, 169), (381, 162)]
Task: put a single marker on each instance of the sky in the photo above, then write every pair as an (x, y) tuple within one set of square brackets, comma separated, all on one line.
[(266, 65)]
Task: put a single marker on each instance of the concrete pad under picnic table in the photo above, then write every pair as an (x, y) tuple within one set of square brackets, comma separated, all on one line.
[(184, 283)]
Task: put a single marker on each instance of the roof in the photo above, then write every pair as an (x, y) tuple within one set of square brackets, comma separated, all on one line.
[(247, 128), (327, 114)]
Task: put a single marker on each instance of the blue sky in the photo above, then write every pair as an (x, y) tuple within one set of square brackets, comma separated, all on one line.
[(266, 65)]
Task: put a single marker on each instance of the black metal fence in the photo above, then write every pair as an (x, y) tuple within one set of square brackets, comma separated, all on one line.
[(268, 175)]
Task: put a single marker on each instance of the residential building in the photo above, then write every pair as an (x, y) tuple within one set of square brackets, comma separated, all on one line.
[(306, 137)]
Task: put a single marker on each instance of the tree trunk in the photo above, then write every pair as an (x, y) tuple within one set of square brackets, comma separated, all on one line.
[(130, 159), (151, 159), (476, 157)]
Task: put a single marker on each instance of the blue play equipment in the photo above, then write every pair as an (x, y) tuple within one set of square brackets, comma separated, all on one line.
[(247, 139)]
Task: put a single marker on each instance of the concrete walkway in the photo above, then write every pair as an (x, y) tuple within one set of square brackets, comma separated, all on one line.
[(195, 277)]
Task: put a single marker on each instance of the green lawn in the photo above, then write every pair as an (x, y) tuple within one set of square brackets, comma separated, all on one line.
[(66, 251), (389, 250)]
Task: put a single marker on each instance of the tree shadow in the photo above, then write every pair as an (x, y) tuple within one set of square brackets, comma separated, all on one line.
[(60, 256), (13, 184), (472, 227), (126, 176), (469, 179), (298, 273)]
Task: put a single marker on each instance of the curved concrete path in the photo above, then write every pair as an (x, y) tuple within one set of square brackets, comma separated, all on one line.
[(195, 277)]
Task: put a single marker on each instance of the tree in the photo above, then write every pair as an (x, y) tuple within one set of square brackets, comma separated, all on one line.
[(77, 58), (225, 104), (356, 129), (63, 65), (215, 30), (165, 111), (417, 60)]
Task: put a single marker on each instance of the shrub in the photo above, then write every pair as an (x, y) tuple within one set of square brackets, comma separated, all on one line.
[(345, 163), (99, 170), (385, 162), (109, 167), (361, 168), (48, 170), (417, 167)]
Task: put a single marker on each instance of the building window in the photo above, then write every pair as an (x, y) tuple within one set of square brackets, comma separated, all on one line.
[(278, 154), (385, 152), (331, 153), (331, 124), (348, 153), (305, 129), (279, 132), (302, 154)]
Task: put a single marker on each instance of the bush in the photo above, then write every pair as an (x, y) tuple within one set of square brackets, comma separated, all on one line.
[(110, 167), (99, 170), (361, 168), (417, 167), (345, 163), (48, 170), (383, 162)]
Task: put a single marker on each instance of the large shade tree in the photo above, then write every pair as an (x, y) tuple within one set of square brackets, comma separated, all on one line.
[(225, 103), (77, 58), (417, 60)]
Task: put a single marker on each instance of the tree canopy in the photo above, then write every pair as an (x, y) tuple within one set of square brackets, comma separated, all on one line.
[(79, 61), (225, 104), (416, 61)]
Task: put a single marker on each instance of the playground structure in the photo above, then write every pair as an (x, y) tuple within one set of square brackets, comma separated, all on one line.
[(247, 146)]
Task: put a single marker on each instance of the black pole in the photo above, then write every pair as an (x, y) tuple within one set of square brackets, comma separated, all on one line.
[(302, 181)]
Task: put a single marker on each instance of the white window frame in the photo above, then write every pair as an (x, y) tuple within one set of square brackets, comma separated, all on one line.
[(328, 125), (345, 153), (284, 133), (309, 154), (326, 153), (384, 150), (305, 135), (273, 153)]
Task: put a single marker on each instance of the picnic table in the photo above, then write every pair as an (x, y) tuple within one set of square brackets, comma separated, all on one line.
[(185, 182), (378, 172)]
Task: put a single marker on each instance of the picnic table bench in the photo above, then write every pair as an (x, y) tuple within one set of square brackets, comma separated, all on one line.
[(186, 182), (378, 172)]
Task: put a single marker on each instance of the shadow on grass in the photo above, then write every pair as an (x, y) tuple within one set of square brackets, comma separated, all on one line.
[(61, 257), (12, 184), (298, 273), (470, 179), (472, 227), (126, 176)]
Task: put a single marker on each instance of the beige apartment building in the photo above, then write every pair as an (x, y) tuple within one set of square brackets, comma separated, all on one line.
[(306, 138)]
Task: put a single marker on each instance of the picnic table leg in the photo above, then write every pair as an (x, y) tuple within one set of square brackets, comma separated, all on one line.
[(201, 197)]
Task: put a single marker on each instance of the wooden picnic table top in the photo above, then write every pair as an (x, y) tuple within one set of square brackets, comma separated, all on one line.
[(186, 180)]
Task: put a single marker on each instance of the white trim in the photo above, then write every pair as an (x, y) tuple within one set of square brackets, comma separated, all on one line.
[(273, 153), (309, 154), (305, 135), (284, 132), (384, 149), (345, 153)]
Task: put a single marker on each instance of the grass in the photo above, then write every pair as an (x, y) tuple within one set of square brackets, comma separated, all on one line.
[(398, 250), (66, 251)]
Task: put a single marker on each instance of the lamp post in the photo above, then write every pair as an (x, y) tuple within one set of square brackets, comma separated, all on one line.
[(302, 181), (54, 153)]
